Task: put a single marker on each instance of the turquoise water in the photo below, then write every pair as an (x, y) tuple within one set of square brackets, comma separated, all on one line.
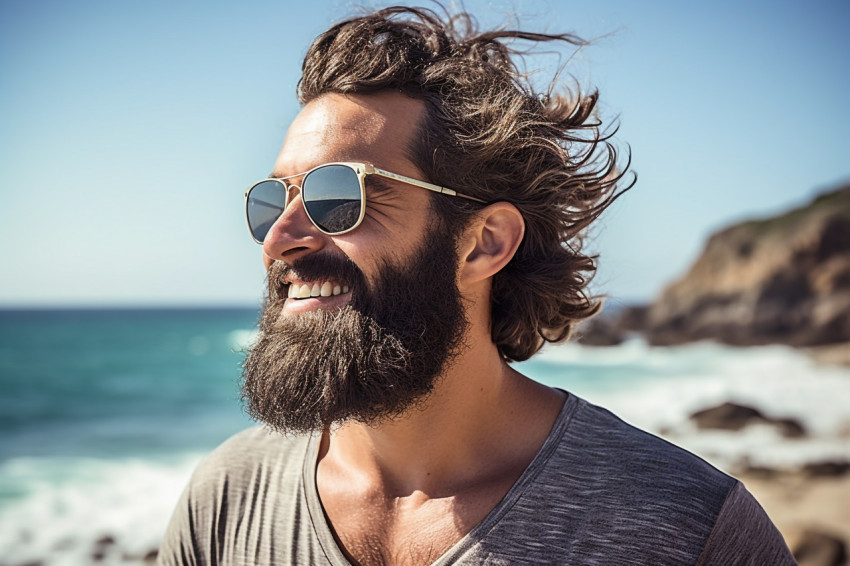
[(104, 414), (113, 383)]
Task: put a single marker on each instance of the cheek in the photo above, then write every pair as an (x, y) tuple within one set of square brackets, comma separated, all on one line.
[(370, 253)]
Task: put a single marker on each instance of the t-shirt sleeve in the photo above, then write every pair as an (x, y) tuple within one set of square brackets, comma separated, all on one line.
[(239, 497), (179, 545), (194, 536), (744, 535)]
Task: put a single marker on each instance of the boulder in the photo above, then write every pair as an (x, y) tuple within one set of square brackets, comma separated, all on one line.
[(836, 468), (788, 427), (728, 416), (599, 331), (816, 548), (732, 416), (612, 325)]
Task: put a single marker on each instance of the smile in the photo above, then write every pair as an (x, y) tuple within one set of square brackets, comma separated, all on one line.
[(315, 289)]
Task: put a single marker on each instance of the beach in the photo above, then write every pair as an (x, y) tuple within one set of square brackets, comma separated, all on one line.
[(104, 415)]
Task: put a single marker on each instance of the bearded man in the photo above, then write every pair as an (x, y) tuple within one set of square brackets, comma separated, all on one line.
[(421, 230)]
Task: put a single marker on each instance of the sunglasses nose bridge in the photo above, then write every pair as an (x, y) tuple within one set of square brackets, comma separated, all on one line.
[(288, 188), (290, 197)]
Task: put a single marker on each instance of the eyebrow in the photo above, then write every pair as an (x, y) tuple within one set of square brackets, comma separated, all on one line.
[(379, 182)]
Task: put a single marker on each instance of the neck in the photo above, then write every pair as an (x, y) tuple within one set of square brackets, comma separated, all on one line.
[(484, 420)]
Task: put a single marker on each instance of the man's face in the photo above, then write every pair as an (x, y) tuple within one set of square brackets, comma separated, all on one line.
[(375, 129), (369, 353)]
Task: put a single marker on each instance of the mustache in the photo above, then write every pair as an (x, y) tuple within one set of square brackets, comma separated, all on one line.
[(312, 267)]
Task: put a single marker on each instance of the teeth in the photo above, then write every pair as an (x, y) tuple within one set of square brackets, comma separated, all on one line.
[(306, 290)]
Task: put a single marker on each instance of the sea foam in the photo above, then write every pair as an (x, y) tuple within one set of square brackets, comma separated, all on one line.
[(75, 511)]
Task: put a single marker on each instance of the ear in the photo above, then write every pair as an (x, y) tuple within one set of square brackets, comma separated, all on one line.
[(490, 242)]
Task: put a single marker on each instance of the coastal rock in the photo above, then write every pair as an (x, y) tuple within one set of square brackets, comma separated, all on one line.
[(761, 472), (789, 428), (599, 331), (731, 416), (101, 547), (783, 280), (820, 549), (148, 558), (728, 416), (826, 469), (611, 326)]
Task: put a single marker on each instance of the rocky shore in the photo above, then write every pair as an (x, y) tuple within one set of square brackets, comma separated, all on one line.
[(779, 280)]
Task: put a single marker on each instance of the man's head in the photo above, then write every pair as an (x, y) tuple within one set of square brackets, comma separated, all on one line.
[(486, 132), (411, 94)]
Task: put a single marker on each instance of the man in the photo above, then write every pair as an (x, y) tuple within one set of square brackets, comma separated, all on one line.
[(421, 230)]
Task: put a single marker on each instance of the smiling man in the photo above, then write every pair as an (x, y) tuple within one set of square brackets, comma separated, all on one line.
[(421, 230)]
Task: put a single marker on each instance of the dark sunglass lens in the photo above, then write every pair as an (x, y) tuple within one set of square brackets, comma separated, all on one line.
[(266, 202), (332, 197)]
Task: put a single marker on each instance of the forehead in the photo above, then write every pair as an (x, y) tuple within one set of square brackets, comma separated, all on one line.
[(375, 128)]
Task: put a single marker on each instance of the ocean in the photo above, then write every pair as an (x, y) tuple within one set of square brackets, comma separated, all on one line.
[(104, 414)]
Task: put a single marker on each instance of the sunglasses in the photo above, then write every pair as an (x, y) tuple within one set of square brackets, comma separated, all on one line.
[(333, 195)]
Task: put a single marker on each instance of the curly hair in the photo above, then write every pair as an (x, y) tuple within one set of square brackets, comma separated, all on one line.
[(487, 132)]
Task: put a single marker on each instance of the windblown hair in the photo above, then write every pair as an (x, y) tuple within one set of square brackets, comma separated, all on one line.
[(488, 133)]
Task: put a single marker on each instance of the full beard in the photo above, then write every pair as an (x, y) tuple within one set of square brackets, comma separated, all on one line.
[(370, 361)]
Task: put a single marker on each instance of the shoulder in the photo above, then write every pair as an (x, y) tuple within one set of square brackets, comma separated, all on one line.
[(744, 535), (255, 473), (230, 472), (610, 454), (607, 491), (246, 451)]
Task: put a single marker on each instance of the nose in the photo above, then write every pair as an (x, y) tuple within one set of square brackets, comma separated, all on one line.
[(292, 236)]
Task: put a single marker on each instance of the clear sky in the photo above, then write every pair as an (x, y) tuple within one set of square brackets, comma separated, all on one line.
[(130, 130)]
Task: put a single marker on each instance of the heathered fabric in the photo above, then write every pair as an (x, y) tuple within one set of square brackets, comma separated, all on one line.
[(599, 492)]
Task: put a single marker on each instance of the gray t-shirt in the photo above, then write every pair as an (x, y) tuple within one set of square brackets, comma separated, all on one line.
[(599, 491)]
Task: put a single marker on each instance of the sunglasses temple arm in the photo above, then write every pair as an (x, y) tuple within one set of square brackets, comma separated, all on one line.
[(423, 184)]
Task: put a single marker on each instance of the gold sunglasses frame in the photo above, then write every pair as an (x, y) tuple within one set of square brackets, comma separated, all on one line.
[(362, 170)]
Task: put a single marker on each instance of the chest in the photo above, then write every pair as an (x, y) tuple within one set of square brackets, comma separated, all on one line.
[(404, 531)]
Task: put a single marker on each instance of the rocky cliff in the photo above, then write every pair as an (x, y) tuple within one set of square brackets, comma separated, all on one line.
[(777, 280)]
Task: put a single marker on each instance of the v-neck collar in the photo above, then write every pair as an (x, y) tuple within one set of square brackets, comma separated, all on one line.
[(335, 555)]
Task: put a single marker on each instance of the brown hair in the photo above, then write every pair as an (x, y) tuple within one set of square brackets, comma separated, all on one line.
[(488, 133)]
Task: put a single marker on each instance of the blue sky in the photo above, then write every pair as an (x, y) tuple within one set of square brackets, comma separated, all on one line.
[(129, 131)]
